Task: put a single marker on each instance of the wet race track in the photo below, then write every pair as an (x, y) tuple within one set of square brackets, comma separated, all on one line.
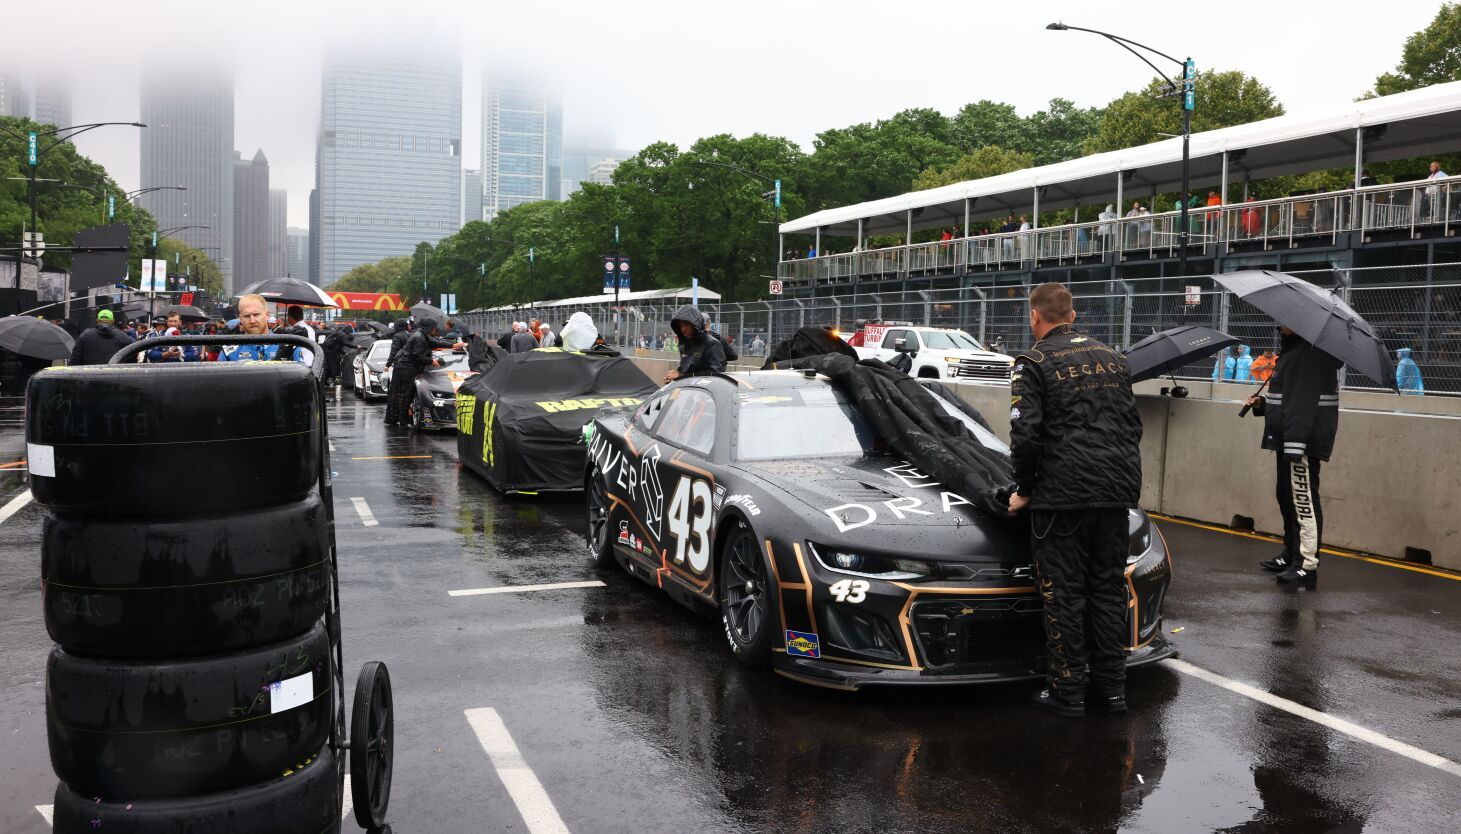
[(609, 708)]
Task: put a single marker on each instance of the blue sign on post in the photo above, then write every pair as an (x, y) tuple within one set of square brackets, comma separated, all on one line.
[(609, 269), (111, 206), (624, 275), (32, 148), (1189, 85), (616, 234), (778, 193)]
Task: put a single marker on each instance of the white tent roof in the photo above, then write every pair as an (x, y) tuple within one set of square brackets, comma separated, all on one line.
[(680, 293), (1425, 134)]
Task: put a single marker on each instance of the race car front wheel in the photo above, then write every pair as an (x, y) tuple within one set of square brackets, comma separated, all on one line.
[(745, 597), (599, 547)]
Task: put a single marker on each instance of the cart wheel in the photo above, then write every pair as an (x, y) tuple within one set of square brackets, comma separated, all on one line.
[(372, 729)]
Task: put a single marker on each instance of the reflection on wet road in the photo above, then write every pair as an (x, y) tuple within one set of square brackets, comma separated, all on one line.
[(628, 713)]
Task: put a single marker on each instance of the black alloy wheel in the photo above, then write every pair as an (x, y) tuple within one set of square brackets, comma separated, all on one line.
[(746, 593), (599, 547), (372, 735)]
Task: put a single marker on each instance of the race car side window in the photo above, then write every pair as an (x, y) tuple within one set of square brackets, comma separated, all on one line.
[(689, 420), (648, 414)]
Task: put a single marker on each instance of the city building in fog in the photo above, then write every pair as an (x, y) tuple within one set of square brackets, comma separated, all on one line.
[(13, 100), (471, 195), (314, 238), (296, 243), (388, 167), (189, 142), (250, 220), (602, 172), (52, 102), (278, 226), (522, 144)]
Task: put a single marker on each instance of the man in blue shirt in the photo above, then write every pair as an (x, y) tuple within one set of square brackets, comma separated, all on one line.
[(253, 320)]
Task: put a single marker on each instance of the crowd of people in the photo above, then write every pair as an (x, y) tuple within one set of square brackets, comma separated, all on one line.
[(97, 344)]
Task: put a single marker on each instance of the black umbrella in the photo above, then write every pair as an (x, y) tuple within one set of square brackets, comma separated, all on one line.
[(423, 310), (1165, 352), (289, 291), (30, 336), (374, 325), (1318, 316), (189, 313)]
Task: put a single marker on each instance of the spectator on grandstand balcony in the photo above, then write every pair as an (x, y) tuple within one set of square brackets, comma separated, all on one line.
[(1431, 204), (1366, 178), (946, 235), (1407, 373), (1108, 225), (1251, 220)]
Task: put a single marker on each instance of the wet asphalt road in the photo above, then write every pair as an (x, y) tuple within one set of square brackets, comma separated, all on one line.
[(632, 716)]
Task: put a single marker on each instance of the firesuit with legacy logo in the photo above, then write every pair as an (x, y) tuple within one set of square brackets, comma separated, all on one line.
[(1300, 420), (1075, 441)]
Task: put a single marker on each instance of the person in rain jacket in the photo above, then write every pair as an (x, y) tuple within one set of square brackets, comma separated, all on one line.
[(579, 333), (400, 332), (97, 344), (700, 352), (1407, 374), (1226, 367), (1244, 366), (1262, 367)]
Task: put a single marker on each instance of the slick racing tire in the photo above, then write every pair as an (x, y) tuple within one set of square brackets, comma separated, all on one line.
[(600, 544), (129, 590), (248, 434), (747, 596), (163, 730), (302, 798)]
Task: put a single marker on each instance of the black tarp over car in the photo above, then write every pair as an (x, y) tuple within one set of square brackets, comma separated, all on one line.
[(519, 423)]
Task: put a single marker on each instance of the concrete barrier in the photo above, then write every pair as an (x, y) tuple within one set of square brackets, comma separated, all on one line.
[(1393, 483)]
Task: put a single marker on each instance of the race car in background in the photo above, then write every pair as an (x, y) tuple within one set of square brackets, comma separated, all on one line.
[(367, 369), (767, 499), (435, 406)]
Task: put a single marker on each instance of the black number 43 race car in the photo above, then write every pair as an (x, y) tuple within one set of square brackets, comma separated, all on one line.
[(767, 498)]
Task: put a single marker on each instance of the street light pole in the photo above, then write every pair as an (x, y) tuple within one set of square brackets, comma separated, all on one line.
[(1188, 94)]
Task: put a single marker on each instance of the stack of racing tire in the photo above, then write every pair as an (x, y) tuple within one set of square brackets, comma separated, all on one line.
[(186, 565)]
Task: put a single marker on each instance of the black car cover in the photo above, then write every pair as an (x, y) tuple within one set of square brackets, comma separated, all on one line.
[(805, 343), (918, 428), (520, 424)]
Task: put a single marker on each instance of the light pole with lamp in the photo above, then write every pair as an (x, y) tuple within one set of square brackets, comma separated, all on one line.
[(152, 255), (1188, 91)]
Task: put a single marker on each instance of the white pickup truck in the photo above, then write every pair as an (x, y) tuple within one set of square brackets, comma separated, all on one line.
[(938, 353)]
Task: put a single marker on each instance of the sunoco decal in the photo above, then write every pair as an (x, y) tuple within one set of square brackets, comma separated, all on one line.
[(803, 644)]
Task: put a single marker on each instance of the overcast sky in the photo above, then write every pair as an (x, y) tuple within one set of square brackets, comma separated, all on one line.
[(638, 71)]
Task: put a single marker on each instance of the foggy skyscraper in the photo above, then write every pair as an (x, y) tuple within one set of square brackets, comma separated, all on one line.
[(278, 233), (52, 102), (189, 142), (471, 196), (297, 254), (251, 220), (522, 145), (388, 165)]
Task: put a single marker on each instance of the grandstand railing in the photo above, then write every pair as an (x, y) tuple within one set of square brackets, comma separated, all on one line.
[(1415, 307), (1430, 206)]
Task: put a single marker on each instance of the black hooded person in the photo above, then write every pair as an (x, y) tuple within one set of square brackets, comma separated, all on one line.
[(401, 331), (97, 344), (701, 353)]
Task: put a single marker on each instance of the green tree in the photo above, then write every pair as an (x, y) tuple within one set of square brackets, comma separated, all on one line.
[(986, 122), (1431, 56), (988, 161), (871, 161), (1060, 131), (1224, 99), (377, 277)]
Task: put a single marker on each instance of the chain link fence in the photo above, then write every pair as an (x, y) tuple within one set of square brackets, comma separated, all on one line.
[(1415, 308)]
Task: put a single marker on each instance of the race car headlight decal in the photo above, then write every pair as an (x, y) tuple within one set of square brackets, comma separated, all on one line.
[(443, 395), (871, 565)]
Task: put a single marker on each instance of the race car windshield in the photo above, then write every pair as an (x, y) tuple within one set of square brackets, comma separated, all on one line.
[(805, 423), (950, 340)]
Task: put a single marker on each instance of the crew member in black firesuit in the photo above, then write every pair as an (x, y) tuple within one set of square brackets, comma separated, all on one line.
[(1075, 440), (1300, 419), (400, 332), (700, 352), (97, 344), (415, 357)]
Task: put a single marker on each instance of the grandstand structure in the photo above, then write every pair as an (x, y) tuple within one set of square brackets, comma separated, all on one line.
[(1413, 221)]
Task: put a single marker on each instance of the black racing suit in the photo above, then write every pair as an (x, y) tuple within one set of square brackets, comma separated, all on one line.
[(1075, 440), (1300, 420), (703, 354), (415, 356)]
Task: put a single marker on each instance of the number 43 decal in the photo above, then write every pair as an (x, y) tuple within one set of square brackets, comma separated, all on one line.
[(849, 590), (690, 516)]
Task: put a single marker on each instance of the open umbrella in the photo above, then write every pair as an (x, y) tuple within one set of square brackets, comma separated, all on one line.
[(30, 336), (423, 310), (189, 312), (1319, 316), (1165, 352), (373, 325), (289, 291)]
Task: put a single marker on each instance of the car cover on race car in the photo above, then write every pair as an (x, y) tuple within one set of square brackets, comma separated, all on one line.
[(806, 342), (917, 427), (520, 423)]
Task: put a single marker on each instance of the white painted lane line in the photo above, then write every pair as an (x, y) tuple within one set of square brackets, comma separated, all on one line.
[(331, 442), (522, 784), (363, 509), (1349, 728), (514, 589), (47, 811), (14, 506)]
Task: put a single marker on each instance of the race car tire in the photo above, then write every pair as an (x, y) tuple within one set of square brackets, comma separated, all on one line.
[(164, 730), (302, 798), (746, 596), (600, 547), (126, 590), (249, 432)]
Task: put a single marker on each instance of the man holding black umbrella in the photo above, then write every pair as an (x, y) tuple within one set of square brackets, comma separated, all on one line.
[(1300, 420)]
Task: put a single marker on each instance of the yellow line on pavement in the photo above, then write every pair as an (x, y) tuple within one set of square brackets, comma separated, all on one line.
[(13, 464), (1389, 563), (395, 457)]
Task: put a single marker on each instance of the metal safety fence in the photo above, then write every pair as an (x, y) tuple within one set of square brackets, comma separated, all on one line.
[(1416, 310)]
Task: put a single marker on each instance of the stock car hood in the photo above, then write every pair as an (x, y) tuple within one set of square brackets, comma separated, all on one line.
[(886, 503), (442, 379)]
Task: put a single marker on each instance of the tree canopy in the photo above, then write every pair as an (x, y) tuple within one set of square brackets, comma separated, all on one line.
[(1430, 56), (1224, 99)]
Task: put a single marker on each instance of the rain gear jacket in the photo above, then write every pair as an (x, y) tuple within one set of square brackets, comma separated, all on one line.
[(1075, 436), (1301, 409), (398, 341), (415, 355), (702, 354), (1225, 367), (579, 333), (97, 344), (1244, 370), (522, 342), (1262, 368), (1407, 374)]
